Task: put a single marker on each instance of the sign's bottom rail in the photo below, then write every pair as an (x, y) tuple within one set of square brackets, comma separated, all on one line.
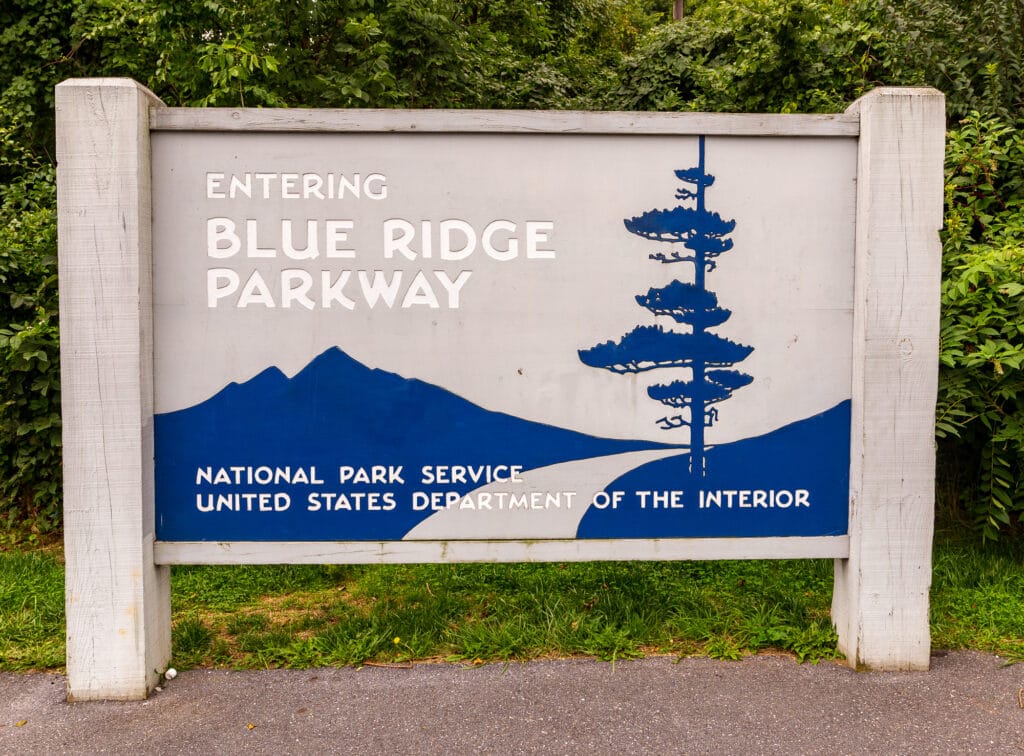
[(411, 552)]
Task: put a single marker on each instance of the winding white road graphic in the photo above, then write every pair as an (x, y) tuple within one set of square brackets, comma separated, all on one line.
[(574, 484)]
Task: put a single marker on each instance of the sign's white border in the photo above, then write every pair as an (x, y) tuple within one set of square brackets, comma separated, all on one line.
[(118, 595)]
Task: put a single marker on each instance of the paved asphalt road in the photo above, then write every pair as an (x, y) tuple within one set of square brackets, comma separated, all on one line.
[(968, 703)]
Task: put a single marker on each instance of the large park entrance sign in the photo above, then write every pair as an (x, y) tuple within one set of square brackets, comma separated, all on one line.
[(354, 336)]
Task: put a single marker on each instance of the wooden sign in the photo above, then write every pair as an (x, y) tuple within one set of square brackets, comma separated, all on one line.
[(383, 336)]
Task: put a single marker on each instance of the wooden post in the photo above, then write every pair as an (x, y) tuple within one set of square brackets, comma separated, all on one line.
[(118, 600), (880, 604)]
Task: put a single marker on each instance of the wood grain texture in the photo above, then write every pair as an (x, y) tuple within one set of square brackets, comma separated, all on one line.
[(880, 604), (118, 601), (502, 121), (411, 552)]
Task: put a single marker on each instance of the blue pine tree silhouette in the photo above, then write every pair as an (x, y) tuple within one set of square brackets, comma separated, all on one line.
[(701, 235)]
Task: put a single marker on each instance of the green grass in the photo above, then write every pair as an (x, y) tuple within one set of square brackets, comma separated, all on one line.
[(300, 616), (978, 598), (31, 610)]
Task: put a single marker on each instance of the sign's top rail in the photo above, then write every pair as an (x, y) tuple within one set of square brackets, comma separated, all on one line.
[(503, 122)]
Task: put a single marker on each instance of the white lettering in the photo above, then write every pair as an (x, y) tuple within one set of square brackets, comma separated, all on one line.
[(213, 190), (255, 291), (220, 283), (295, 286), (311, 185), (221, 230), (239, 186), (453, 287), (375, 186), (419, 293), (537, 234), (511, 244), (288, 188), (453, 225), (334, 292), (398, 235), (312, 249), (337, 233), (380, 288), (252, 245)]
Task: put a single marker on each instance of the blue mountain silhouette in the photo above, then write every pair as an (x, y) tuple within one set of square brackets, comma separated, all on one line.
[(336, 412)]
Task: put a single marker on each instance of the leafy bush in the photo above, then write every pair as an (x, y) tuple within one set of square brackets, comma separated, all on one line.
[(732, 55), (970, 49), (819, 55), (754, 56), (764, 56), (29, 356), (980, 413), (30, 459)]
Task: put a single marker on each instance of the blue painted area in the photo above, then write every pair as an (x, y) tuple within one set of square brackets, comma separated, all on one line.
[(812, 455), (690, 399), (337, 412), (649, 347), (697, 229)]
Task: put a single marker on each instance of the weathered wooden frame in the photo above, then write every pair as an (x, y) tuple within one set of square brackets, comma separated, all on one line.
[(118, 595)]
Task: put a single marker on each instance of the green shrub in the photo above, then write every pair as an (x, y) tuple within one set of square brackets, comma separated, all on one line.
[(980, 417), (764, 56), (970, 49), (30, 459), (726, 55), (29, 369), (819, 55)]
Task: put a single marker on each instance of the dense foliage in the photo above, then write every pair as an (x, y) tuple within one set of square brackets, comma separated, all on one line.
[(736, 55), (980, 418)]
